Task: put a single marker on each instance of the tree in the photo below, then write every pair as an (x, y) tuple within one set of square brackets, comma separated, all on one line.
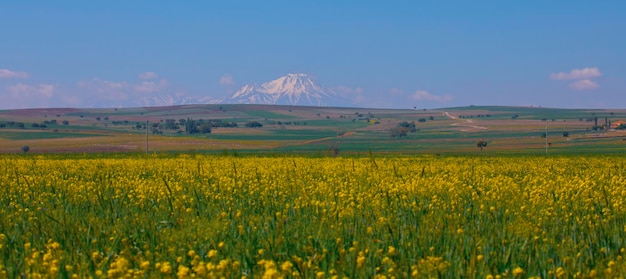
[(205, 128), (25, 148), (254, 124), (409, 126), (481, 144), (398, 132), (191, 127)]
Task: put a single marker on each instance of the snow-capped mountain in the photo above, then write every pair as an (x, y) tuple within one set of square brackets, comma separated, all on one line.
[(144, 101), (292, 89), (165, 100), (210, 100)]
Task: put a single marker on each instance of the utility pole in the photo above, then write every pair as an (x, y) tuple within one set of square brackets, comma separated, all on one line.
[(546, 136), (147, 136)]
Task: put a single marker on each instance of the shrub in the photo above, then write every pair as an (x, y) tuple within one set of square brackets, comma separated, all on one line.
[(481, 144), (254, 124), (409, 126), (205, 128), (398, 132)]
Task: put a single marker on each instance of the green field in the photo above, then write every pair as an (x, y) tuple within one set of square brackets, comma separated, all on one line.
[(190, 215), (315, 129), (43, 135), (268, 114)]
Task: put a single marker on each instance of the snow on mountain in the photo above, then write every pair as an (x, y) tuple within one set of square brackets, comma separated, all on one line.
[(210, 100), (292, 89), (152, 100), (165, 100)]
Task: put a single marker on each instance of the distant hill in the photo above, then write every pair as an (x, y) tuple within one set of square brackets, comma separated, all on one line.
[(314, 129)]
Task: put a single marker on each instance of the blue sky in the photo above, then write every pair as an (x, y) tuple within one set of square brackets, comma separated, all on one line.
[(398, 54)]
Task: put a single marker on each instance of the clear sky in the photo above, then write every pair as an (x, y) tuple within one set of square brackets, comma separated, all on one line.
[(399, 54)]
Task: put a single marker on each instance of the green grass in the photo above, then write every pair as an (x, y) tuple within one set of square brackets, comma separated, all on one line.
[(535, 113), (269, 114), (44, 135), (278, 135), (444, 216), (341, 123)]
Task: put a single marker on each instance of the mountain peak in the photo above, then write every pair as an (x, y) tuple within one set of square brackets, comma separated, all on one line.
[(297, 76), (290, 89)]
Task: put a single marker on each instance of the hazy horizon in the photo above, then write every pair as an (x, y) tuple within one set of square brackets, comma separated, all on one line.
[(398, 54)]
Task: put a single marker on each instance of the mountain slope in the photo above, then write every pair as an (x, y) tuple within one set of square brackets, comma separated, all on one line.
[(165, 100), (144, 100)]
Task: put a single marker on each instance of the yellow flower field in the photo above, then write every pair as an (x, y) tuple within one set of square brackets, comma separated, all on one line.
[(208, 216)]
